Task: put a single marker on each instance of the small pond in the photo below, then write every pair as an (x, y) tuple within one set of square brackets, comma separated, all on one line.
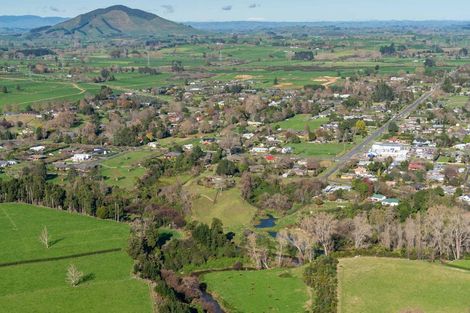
[(268, 222)]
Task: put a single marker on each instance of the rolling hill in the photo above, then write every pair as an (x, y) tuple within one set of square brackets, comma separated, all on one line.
[(116, 21), (27, 22)]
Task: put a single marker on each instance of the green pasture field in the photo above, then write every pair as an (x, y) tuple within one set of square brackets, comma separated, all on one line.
[(229, 207), (40, 286), (457, 102), (319, 150), (124, 169), (386, 285), (141, 81), (266, 291), (299, 122), (443, 159), (461, 263), (33, 91)]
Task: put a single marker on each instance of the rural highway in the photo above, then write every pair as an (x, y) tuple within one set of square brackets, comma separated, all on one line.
[(360, 148)]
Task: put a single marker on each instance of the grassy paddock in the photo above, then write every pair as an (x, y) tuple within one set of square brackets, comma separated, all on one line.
[(457, 102), (319, 150), (228, 206), (124, 169), (299, 122), (265, 291), (394, 285), (108, 285)]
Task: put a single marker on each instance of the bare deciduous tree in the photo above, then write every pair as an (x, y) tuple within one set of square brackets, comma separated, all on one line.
[(362, 230), (321, 227), (303, 242), (282, 239), (44, 238), (252, 249), (74, 276), (435, 230), (459, 228)]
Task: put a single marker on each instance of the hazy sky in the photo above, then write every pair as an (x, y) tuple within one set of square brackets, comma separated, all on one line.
[(267, 10)]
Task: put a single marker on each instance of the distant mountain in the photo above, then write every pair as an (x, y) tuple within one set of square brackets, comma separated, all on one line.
[(256, 26), (116, 21), (28, 22)]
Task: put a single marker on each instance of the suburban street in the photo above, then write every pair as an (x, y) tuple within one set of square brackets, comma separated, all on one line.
[(361, 147)]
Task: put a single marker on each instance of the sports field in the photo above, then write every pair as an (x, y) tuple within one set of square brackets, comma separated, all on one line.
[(37, 282)]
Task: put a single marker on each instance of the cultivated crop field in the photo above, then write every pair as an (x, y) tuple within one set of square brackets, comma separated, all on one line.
[(265, 291), (394, 285), (37, 283)]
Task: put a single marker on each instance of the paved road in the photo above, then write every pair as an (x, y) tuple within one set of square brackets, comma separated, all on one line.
[(360, 148)]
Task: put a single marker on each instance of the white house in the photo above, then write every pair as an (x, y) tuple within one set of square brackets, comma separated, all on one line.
[(287, 150), (152, 145), (38, 148), (461, 146), (259, 150), (80, 157), (188, 147), (4, 164), (248, 136), (465, 198), (390, 202)]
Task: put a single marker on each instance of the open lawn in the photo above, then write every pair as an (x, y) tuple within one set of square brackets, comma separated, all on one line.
[(457, 102), (38, 284), (267, 291), (124, 169), (319, 150), (299, 122), (393, 285)]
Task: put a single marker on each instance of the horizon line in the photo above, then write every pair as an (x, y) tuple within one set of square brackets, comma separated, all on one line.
[(270, 21)]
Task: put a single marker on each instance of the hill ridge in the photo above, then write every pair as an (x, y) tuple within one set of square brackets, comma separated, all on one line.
[(116, 21)]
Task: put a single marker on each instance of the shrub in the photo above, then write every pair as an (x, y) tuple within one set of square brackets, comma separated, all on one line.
[(322, 277)]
